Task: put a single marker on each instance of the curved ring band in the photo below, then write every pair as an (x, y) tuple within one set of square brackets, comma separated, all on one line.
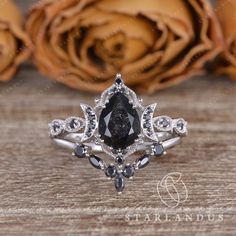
[(64, 143)]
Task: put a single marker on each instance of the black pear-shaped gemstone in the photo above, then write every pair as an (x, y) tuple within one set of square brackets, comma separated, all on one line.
[(119, 123)]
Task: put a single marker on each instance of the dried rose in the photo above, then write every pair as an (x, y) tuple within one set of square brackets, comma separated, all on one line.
[(226, 62), (153, 44), (14, 43)]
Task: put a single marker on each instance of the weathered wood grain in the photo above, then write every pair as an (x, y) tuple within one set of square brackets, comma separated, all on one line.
[(45, 191)]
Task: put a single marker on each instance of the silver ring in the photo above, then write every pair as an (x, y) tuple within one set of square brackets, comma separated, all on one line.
[(118, 127)]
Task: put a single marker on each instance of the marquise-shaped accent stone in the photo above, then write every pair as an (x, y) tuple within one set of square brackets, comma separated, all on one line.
[(119, 183), (143, 161), (96, 161), (119, 122)]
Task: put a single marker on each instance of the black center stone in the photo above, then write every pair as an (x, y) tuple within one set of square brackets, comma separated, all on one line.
[(119, 123)]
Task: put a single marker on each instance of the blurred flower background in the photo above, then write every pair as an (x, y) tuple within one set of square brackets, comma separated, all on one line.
[(154, 44)]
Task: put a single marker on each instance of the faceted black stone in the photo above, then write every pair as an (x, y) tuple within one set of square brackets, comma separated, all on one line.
[(147, 125), (80, 151), (164, 123), (119, 123), (111, 171), (91, 117), (158, 149), (73, 124), (96, 161), (143, 161), (118, 81), (180, 126), (88, 110), (119, 183), (56, 127), (128, 171), (119, 160)]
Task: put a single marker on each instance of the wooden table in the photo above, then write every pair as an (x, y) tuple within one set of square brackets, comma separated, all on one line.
[(46, 191)]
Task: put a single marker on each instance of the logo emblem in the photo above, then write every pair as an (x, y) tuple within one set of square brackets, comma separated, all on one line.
[(172, 190)]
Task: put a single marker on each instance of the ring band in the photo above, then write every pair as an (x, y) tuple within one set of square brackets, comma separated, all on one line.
[(119, 126)]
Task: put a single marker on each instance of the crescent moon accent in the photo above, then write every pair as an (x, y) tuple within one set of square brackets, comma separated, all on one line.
[(90, 122), (146, 122)]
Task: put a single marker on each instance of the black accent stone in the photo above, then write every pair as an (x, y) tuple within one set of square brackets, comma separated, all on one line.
[(119, 160), (143, 161), (73, 123), (119, 123), (80, 151), (118, 81), (91, 117), (158, 149), (180, 126), (147, 117), (128, 171), (88, 110), (119, 183), (96, 161), (147, 125), (56, 127), (111, 171)]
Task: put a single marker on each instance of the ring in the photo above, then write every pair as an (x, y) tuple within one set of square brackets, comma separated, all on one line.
[(120, 127)]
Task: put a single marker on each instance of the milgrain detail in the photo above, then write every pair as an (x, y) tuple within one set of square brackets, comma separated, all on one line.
[(90, 122), (146, 122)]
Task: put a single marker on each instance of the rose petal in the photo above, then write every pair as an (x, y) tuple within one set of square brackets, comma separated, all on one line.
[(14, 43), (152, 43), (226, 62)]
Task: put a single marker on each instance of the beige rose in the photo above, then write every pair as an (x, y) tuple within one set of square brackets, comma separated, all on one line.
[(14, 43), (153, 44), (226, 63)]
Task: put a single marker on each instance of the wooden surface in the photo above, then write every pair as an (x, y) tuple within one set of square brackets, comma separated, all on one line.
[(45, 191)]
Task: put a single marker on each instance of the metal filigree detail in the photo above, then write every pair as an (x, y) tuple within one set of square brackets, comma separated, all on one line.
[(90, 122), (146, 122)]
